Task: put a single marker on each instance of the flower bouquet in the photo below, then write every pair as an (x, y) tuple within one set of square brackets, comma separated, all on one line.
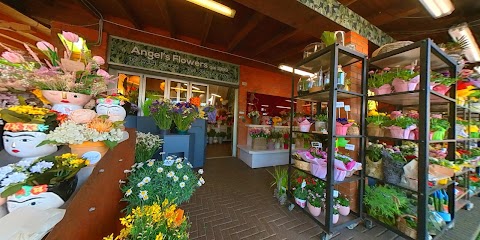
[(438, 128), (254, 115), (441, 82), (374, 160), (376, 122), (405, 79), (160, 110), (155, 221), (342, 125), (183, 114), (211, 112), (401, 126), (147, 145), (48, 175), (172, 179), (85, 131), (393, 163), (259, 138), (380, 82)]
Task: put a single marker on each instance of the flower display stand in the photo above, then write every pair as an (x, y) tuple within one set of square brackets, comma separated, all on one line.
[(176, 144), (98, 200), (262, 158)]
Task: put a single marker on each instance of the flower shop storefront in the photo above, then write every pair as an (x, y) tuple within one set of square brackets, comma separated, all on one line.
[(148, 73)]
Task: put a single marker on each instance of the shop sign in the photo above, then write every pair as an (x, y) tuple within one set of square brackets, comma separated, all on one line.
[(128, 53)]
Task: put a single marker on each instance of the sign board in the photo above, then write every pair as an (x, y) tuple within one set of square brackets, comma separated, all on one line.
[(316, 144), (350, 147), (347, 108), (340, 104), (128, 53)]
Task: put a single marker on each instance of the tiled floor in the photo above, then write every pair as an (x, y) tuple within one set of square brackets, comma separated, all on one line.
[(219, 150), (237, 203)]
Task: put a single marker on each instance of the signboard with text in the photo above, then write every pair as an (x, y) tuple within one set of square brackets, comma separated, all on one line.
[(128, 53)]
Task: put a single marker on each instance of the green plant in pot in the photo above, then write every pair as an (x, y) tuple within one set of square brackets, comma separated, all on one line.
[(211, 134), (328, 38), (374, 160), (315, 203), (321, 122), (379, 82), (300, 195), (220, 136), (405, 79), (393, 163), (401, 127), (343, 204), (438, 128), (335, 216), (280, 176), (384, 203)]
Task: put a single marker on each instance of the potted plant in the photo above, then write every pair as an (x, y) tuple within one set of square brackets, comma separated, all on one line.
[(440, 82), (259, 138), (354, 129), (314, 203), (335, 216), (438, 128), (401, 126), (286, 140), (280, 176), (321, 122), (342, 125), (300, 195), (275, 137), (160, 110), (183, 115), (374, 160), (375, 122), (211, 134), (220, 136), (384, 203), (405, 79), (254, 116), (379, 82), (343, 205), (146, 146), (393, 163)]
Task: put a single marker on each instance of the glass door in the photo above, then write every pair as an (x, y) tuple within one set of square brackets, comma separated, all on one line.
[(128, 85), (201, 91), (178, 91)]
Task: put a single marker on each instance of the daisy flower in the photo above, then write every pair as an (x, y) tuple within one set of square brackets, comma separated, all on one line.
[(139, 165), (146, 179), (170, 174), (199, 183), (189, 164), (182, 184), (143, 195), (150, 162), (179, 160), (175, 178), (185, 177), (128, 192), (140, 184), (179, 166), (200, 171), (202, 180), (159, 170)]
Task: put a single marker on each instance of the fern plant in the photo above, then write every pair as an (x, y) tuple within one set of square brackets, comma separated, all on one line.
[(384, 203)]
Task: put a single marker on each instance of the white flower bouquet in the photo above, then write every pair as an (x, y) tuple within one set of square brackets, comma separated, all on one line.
[(146, 146)]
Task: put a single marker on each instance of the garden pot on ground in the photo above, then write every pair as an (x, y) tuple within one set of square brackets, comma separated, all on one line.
[(344, 211), (400, 85), (300, 202), (384, 89), (315, 211)]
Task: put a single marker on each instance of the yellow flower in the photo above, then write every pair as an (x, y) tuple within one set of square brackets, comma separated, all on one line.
[(109, 237), (159, 236), (373, 113), (101, 125)]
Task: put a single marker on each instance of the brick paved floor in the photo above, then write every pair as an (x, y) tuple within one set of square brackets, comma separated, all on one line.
[(237, 203)]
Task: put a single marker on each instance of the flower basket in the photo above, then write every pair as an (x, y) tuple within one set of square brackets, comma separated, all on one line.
[(89, 146), (375, 130), (400, 85), (390, 47), (442, 89), (353, 130), (384, 89), (305, 166), (398, 132), (259, 143), (438, 135), (341, 130), (403, 226), (392, 170), (374, 169)]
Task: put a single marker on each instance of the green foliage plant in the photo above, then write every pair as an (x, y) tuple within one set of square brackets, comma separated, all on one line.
[(300, 193), (328, 38), (211, 133), (321, 117), (385, 203), (439, 124), (403, 122), (374, 151), (343, 201)]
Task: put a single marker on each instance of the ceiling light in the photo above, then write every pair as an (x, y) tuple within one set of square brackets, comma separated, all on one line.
[(215, 6), (283, 107), (216, 95), (438, 8), (472, 53), (297, 71), (196, 88)]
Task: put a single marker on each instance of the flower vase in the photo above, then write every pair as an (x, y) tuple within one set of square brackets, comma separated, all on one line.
[(66, 102), (97, 148), (271, 145), (374, 169), (398, 132), (255, 120), (285, 146), (315, 211), (300, 202), (384, 89), (442, 89), (210, 140), (341, 129), (277, 145), (438, 135), (344, 210), (215, 140), (335, 218), (374, 130), (400, 85)]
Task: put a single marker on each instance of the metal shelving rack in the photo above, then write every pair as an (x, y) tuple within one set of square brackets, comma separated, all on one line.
[(330, 58), (430, 58)]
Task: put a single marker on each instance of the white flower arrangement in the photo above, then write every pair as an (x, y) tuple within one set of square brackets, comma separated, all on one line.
[(146, 146)]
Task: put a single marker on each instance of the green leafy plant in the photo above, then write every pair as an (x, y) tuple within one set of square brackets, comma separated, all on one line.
[(343, 201), (439, 124), (221, 134), (146, 146), (439, 78), (411, 222), (335, 211), (403, 122), (384, 203), (377, 120), (458, 44), (374, 151), (161, 113), (146, 107), (328, 38), (404, 74), (280, 176), (300, 193), (321, 117), (398, 157), (315, 200), (379, 78), (211, 133)]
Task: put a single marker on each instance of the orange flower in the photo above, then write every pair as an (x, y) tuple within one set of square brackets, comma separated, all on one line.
[(179, 219), (101, 125), (39, 189)]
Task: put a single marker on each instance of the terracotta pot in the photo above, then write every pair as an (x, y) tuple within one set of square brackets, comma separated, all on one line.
[(89, 147), (300, 202), (66, 102), (335, 218), (344, 211), (384, 89), (315, 211), (400, 85)]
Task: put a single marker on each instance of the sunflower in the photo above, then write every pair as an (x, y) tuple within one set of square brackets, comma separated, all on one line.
[(101, 125)]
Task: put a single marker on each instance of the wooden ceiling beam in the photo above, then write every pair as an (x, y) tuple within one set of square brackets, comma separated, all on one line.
[(283, 56), (16, 40), (378, 20), (207, 22), (163, 7), (16, 45), (246, 29), (19, 17), (346, 3), (279, 38), (130, 14)]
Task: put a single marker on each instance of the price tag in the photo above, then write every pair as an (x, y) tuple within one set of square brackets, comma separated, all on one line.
[(168, 162), (335, 193), (304, 184), (350, 147), (340, 104), (347, 108), (92, 156), (316, 144)]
